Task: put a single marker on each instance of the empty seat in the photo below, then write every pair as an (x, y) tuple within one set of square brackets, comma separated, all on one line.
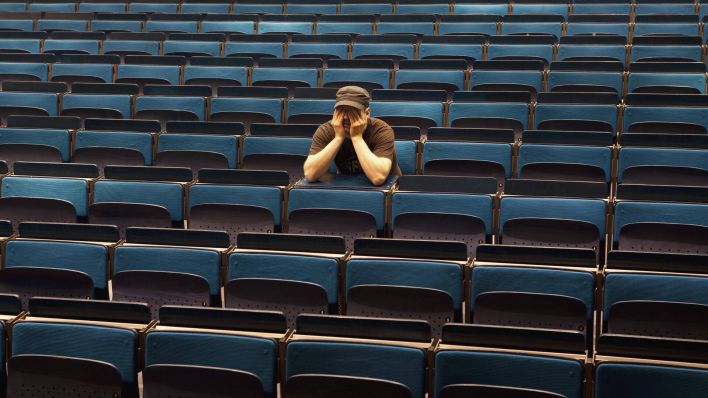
[(467, 159), (157, 7), (424, 289), (198, 145), (587, 24), (461, 371), (626, 379), (666, 25), (247, 204), (345, 24), (276, 153), (535, 47), (191, 48), (369, 74), (256, 46), (110, 353), (468, 48), (311, 7), (545, 23), (114, 26), (329, 367), (211, 8), (304, 28), (66, 46), (663, 47), (416, 7), (489, 109), (559, 299), (621, 7), (648, 77), (419, 108), (290, 73), (25, 103), (575, 111), (148, 74), (85, 106), (512, 75), (445, 75), (395, 47), (215, 75), (239, 358), (23, 71), (166, 275), (483, 22), (132, 45), (83, 72), (34, 145), (660, 227), (251, 7), (290, 282), (348, 213), (19, 46), (128, 148), (363, 8), (245, 27), (319, 46), (167, 108), (665, 113), (69, 190), (172, 26), (569, 163), (582, 76), (86, 258), (248, 108), (102, 7), (420, 24), (552, 222), (661, 166)]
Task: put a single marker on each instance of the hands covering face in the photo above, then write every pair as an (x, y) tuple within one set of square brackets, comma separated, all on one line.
[(347, 120)]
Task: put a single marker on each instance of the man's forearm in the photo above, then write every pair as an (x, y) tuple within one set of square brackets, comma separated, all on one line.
[(376, 169), (318, 164)]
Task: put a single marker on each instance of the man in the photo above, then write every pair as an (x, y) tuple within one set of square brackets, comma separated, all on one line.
[(355, 141)]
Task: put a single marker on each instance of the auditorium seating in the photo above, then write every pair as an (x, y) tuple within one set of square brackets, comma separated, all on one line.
[(547, 237)]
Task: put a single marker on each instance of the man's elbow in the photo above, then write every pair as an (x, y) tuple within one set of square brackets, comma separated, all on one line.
[(378, 180), (310, 176)]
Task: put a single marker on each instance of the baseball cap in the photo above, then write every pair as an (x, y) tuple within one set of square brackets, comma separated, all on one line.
[(353, 96)]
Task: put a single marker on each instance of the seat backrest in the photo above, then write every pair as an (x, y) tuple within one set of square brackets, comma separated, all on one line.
[(359, 360), (258, 356), (116, 346), (74, 191), (614, 380), (165, 194)]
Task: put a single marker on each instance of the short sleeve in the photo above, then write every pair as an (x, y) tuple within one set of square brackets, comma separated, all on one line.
[(382, 141), (322, 137)]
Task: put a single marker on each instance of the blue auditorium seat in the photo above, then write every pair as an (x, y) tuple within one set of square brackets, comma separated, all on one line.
[(166, 108), (23, 71), (661, 166), (686, 25), (311, 7), (588, 163), (634, 380), (658, 48), (340, 212), (61, 24), (157, 7), (367, 8), (276, 153), (271, 46), (74, 191), (210, 350), (622, 7), (310, 110), (533, 24), (414, 7), (246, 27), (268, 110), (451, 47), (584, 24), (59, 140), (168, 195), (148, 74), (289, 73), (476, 23), (172, 26), (681, 112), (299, 48), (486, 109), (689, 77), (370, 74), (115, 346), (52, 7), (359, 360), (467, 158), (211, 8), (421, 24), (448, 75), (112, 146), (580, 112), (304, 28), (539, 47), (270, 7), (83, 104), (182, 47), (541, 8), (102, 7), (499, 371), (586, 76), (401, 108), (507, 76), (20, 46), (90, 73), (394, 47), (89, 258), (66, 46), (346, 24), (132, 47), (26, 25), (13, 7)]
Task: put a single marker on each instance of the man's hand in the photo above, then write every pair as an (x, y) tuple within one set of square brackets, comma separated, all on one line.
[(338, 124), (358, 122)]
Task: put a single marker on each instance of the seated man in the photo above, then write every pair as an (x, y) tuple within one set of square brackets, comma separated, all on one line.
[(356, 142)]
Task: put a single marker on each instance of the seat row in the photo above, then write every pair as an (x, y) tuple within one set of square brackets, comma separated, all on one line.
[(564, 8), (594, 112), (239, 201), (365, 24), (254, 353)]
